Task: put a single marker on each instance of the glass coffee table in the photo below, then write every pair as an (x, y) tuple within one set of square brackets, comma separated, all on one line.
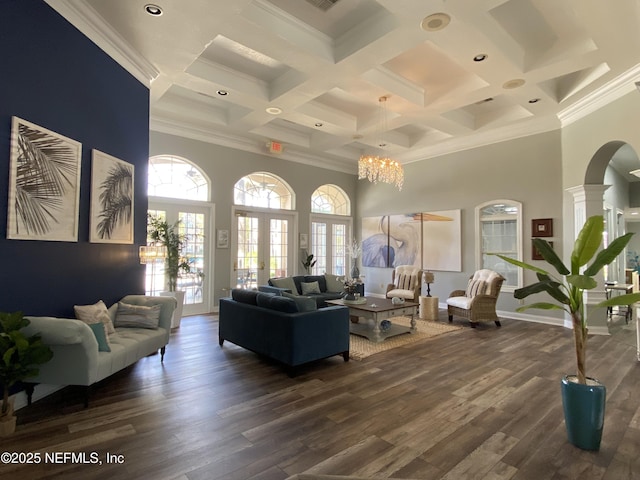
[(377, 310)]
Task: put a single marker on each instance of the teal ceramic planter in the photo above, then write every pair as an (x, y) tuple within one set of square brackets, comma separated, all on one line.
[(583, 411)]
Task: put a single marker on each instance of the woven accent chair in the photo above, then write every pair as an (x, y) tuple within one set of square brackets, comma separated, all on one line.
[(406, 282), (478, 302)]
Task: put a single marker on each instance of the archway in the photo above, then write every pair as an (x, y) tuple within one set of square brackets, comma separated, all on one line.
[(607, 191)]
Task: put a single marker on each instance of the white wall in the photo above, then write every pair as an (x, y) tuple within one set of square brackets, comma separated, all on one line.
[(527, 169)]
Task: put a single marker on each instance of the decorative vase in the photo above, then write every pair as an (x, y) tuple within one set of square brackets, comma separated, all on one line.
[(584, 407), (355, 273)]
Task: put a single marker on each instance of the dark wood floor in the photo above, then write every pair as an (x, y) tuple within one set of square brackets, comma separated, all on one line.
[(474, 404)]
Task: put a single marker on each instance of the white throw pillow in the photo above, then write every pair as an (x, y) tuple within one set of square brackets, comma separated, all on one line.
[(285, 282), (310, 287), (93, 314), (334, 283)]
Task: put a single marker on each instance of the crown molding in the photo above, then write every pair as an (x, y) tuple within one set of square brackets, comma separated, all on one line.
[(600, 97), (482, 138), (290, 153), (92, 25)]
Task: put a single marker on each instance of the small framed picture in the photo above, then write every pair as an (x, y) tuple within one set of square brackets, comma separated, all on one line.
[(535, 254), (542, 227), (304, 240), (222, 238)]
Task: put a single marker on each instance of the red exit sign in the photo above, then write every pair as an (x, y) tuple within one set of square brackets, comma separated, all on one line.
[(275, 147)]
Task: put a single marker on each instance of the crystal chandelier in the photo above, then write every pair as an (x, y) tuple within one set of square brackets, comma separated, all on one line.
[(377, 168)]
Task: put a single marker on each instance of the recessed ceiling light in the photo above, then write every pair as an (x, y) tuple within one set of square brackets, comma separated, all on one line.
[(480, 57), (274, 110), (435, 22), (534, 100), (318, 124), (222, 93), (153, 10), (515, 83)]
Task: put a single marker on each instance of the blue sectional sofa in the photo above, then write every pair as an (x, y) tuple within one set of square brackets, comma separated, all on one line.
[(329, 287), (274, 326)]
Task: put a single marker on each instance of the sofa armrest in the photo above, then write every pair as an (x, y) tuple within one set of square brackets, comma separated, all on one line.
[(75, 351), (57, 331), (457, 293), (270, 289)]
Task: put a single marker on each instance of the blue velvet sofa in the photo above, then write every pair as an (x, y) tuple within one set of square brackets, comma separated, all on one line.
[(330, 287), (273, 326)]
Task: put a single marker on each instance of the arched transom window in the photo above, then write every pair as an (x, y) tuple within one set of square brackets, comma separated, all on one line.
[(330, 199), (262, 189), (176, 177)]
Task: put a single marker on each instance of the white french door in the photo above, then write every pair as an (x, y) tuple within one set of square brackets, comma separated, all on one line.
[(263, 246), (329, 239), (195, 224)]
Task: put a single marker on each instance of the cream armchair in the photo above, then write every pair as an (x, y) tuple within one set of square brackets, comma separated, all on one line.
[(406, 282), (478, 302)]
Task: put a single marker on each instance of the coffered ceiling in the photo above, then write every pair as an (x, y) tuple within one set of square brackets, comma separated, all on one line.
[(216, 69)]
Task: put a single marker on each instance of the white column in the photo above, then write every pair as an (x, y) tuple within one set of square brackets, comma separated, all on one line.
[(588, 201)]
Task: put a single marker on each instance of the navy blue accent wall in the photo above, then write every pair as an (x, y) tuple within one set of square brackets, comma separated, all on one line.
[(55, 77)]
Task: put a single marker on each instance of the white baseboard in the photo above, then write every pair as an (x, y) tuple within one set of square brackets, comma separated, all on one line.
[(559, 322)]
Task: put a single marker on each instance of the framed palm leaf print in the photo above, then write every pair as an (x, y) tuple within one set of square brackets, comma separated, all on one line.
[(44, 184), (111, 199)]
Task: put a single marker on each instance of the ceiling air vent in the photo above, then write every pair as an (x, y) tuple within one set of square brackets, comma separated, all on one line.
[(323, 5)]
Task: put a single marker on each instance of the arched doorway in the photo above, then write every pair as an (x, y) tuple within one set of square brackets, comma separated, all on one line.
[(612, 190), (262, 236), (331, 230), (179, 192)]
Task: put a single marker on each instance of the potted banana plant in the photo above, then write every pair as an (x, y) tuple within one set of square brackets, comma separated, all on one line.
[(583, 398)]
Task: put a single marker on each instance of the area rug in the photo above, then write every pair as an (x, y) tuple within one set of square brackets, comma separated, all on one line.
[(361, 348)]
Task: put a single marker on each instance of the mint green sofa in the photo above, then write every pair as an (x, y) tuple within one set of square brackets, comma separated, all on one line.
[(76, 359)]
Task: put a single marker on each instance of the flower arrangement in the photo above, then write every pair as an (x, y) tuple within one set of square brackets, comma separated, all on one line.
[(354, 249), (351, 288)]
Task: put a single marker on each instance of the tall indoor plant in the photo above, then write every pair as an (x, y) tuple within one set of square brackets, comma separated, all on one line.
[(162, 233), (567, 289), (20, 356)]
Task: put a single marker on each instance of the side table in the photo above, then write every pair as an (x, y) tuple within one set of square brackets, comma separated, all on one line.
[(429, 308)]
